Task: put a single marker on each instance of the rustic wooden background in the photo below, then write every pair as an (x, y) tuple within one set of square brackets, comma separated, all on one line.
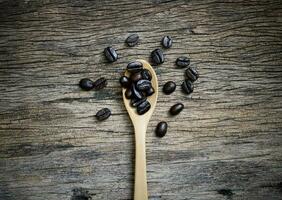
[(226, 144)]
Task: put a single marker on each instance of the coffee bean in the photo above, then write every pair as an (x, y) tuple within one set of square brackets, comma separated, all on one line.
[(134, 66), (128, 93), (103, 114), (143, 85), (136, 76), (191, 74), (143, 107), (167, 42), (169, 87), (86, 84), (111, 54), (132, 40), (146, 74), (125, 82), (100, 83), (157, 56), (176, 109), (187, 87), (182, 62), (150, 91), (135, 93), (161, 129), (136, 102)]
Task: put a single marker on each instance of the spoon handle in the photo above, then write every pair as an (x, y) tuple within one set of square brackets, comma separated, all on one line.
[(140, 186)]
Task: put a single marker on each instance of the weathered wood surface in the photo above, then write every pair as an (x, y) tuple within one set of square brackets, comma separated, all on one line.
[(227, 143)]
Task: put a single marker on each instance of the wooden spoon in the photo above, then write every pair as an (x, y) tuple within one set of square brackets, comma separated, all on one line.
[(140, 123)]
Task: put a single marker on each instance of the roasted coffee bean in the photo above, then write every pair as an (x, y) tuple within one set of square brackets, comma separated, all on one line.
[(157, 56), (128, 93), (182, 62), (143, 85), (169, 87), (167, 42), (161, 129), (111, 54), (150, 91), (86, 84), (187, 86), (134, 66), (100, 83), (136, 76), (136, 102), (135, 93), (132, 40), (176, 109), (191, 74), (146, 74), (125, 82), (143, 107), (103, 114)]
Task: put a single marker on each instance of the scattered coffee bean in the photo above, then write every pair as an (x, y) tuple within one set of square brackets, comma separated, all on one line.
[(143, 85), (86, 84), (169, 87), (161, 129), (111, 54), (182, 62), (103, 114), (100, 83), (128, 93), (136, 102), (134, 66), (167, 42), (150, 91), (157, 56), (143, 107), (187, 86), (146, 74), (125, 82), (136, 76), (191, 74), (176, 109), (136, 93), (132, 40)]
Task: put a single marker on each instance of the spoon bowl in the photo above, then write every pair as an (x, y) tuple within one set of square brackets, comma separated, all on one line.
[(140, 123)]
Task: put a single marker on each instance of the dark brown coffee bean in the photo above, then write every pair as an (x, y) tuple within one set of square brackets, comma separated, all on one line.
[(134, 66), (103, 114), (128, 93), (111, 54), (100, 83), (187, 87), (161, 129), (182, 62), (132, 40), (136, 93), (176, 109), (143, 85), (150, 91), (136, 102), (146, 74), (167, 42), (191, 74), (86, 84), (169, 87), (125, 82), (143, 107), (136, 76), (157, 56)]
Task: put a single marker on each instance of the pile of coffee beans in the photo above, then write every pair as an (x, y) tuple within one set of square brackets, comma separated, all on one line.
[(138, 86)]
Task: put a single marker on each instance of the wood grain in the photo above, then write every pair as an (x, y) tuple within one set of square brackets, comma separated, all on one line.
[(226, 144)]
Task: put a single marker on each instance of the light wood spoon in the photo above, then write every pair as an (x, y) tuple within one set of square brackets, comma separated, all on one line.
[(140, 123)]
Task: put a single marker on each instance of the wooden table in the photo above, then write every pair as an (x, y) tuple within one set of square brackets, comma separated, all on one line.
[(226, 144)]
